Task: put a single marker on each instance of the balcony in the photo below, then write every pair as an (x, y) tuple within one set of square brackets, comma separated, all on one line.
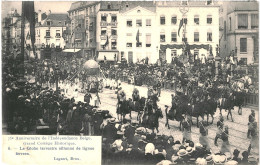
[(105, 24)]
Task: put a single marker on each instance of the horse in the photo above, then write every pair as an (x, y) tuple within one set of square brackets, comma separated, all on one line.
[(173, 114), (210, 109), (239, 100), (151, 120), (227, 104)]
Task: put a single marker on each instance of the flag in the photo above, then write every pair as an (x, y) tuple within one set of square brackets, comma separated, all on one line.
[(107, 42), (137, 36), (180, 26), (29, 14)]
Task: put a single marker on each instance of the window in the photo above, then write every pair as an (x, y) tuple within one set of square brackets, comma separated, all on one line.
[(209, 36), (148, 22), (109, 6), (173, 53), (113, 44), (139, 44), (243, 45), (104, 18), (162, 20), (242, 21), (148, 40), (254, 21), (196, 36), (162, 37), (114, 32), (114, 18), (129, 23), (103, 31), (138, 23), (174, 37), (48, 23), (209, 19), (57, 33), (209, 2), (48, 33), (129, 45), (196, 20), (174, 20), (229, 23)]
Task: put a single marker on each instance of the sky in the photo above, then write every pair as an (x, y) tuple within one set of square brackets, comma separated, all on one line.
[(44, 6)]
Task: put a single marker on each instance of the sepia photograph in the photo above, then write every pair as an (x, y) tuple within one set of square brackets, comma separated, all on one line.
[(130, 82)]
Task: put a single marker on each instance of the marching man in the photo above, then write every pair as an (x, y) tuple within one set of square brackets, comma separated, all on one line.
[(220, 125)]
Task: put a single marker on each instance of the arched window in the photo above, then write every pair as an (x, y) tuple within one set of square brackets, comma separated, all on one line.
[(162, 20)]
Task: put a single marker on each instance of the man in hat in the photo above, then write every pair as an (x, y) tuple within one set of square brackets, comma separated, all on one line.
[(97, 121), (251, 119), (220, 125), (225, 145), (87, 98), (110, 131), (130, 132)]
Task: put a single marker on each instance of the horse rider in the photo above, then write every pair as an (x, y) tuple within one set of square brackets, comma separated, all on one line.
[(251, 119), (220, 125)]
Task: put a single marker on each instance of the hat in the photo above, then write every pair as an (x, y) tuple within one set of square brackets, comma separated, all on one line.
[(112, 120), (209, 158), (118, 144), (182, 152), (149, 148), (231, 162), (189, 149), (219, 159), (174, 158), (201, 161), (164, 162), (74, 108), (198, 145)]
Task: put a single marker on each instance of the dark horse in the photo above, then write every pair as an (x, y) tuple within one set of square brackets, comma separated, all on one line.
[(173, 114), (227, 104), (151, 119)]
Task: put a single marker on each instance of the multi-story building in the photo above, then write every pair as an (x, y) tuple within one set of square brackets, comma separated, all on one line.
[(50, 30), (82, 28), (107, 31), (202, 27), (137, 29), (239, 30)]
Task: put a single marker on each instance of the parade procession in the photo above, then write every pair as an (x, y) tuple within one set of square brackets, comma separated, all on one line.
[(162, 82)]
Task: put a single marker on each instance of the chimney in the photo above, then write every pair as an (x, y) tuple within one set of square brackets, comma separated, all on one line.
[(39, 16)]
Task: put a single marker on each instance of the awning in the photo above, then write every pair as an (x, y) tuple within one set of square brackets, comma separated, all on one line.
[(109, 56), (71, 50), (103, 42)]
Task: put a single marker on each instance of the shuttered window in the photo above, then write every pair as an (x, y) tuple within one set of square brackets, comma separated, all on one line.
[(254, 21), (242, 21)]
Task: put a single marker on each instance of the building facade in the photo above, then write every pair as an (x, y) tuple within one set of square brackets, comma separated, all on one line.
[(107, 31), (82, 27), (239, 31), (50, 30), (202, 28)]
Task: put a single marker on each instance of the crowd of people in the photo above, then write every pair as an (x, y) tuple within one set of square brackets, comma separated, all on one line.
[(39, 105)]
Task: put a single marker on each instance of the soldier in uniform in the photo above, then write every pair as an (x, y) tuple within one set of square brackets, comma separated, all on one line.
[(220, 125), (251, 120)]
